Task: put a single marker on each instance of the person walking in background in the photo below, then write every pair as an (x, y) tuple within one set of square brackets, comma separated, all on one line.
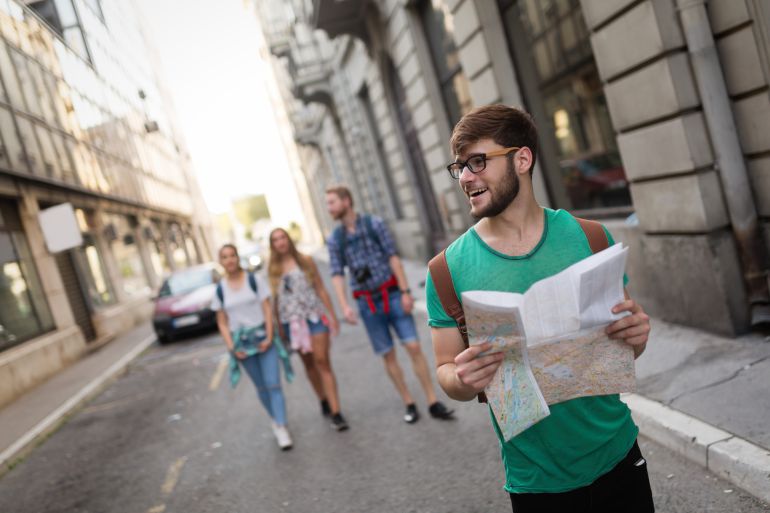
[(245, 320), (301, 299), (363, 244), (584, 457)]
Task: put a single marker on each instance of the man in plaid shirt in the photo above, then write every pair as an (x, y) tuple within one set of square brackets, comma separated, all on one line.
[(363, 244)]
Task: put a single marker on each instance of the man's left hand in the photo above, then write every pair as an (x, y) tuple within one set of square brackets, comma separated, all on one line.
[(407, 302), (632, 329)]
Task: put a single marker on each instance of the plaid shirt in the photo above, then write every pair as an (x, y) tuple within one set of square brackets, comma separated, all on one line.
[(361, 251)]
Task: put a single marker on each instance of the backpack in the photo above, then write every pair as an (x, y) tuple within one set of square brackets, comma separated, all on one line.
[(340, 237), (252, 285), (442, 279)]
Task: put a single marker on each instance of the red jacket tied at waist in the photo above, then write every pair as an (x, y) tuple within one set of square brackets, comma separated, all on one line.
[(382, 289)]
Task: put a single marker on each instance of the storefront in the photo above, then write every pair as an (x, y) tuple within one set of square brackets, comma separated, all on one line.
[(24, 312)]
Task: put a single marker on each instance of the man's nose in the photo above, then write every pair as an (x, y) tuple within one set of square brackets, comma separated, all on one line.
[(466, 175)]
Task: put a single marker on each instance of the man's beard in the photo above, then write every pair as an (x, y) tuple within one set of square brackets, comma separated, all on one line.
[(502, 197), (339, 215)]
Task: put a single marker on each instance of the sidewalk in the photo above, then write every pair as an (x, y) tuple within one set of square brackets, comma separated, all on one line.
[(34, 415)]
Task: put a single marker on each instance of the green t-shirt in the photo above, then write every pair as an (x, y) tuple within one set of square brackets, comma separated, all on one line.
[(583, 438)]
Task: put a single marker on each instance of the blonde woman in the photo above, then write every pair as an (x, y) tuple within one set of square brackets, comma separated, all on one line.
[(302, 304), (245, 321)]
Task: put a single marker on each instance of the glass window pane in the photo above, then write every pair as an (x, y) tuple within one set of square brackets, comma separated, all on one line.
[(192, 250), (51, 163), (91, 269), (66, 13), (44, 97), (33, 281), (27, 86), (10, 153), (74, 39), (28, 139), (63, 154), (23, 310), (591, 168), (132, 273), (9, 77)]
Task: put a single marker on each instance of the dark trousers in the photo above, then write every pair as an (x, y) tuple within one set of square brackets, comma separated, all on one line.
[(624, 489)]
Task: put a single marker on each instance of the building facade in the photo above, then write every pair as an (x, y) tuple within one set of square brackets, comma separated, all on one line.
[(652, 114), (83, 121)]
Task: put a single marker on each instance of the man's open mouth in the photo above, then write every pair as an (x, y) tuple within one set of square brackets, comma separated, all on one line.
[(476, 192)]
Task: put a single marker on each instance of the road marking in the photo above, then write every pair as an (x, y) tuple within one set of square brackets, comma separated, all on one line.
[(216, 379), (172, 476), (157, 509)]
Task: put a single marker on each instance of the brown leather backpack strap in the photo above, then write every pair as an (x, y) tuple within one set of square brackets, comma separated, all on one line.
[(595, 234), (442, 282)]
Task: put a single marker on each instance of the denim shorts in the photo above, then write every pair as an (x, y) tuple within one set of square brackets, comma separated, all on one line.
[(378, 324), (319, 326)]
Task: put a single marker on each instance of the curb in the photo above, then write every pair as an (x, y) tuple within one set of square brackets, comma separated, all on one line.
[(734, 459), (54, 419)]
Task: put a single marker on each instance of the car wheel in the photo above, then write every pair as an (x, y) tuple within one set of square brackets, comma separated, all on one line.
[(164, 339)]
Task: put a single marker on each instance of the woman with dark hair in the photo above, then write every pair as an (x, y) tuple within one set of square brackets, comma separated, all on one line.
[(245, 321), (301, 301)]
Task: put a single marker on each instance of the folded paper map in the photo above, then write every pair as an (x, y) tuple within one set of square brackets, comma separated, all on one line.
[(554, 341)]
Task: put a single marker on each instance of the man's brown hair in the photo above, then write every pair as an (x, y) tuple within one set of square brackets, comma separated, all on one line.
[(341, 191), (507, 126)]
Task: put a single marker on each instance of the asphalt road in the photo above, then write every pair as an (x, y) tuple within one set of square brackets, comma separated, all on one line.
[(171, 436)]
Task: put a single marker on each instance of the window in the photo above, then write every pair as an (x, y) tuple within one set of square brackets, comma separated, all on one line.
[(12, 150), (192, 248), (438, 25), (552, 50), (120, 231), (24, 312), (90, 265), (176, 245), (61, 16), (157, 248), (366, 103)]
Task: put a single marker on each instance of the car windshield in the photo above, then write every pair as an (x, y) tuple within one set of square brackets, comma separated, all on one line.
[(186, 281)]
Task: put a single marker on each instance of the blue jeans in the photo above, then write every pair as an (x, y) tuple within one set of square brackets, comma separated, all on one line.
[(378, 324), (264, 371)]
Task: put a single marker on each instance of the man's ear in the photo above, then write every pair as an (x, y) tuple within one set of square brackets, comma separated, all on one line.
[(523, 160)]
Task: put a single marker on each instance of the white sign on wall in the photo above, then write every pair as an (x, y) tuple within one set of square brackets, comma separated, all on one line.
[(60, 228)]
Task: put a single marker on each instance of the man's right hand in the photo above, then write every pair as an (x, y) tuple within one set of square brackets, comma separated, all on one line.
[(241, 355), (349, 314), (476, 371)]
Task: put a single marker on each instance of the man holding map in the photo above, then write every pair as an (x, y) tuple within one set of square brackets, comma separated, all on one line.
[(582, 456)]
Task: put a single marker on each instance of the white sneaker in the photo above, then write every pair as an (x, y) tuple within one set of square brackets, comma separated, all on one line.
[(282, 437)]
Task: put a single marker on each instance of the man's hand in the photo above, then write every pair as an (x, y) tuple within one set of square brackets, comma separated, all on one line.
[(476, 371), (407, 302), (633, 329), (240, 355), (349, 314)]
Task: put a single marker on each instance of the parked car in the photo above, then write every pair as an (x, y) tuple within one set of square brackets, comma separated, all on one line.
[(183, 304), (596, 180)]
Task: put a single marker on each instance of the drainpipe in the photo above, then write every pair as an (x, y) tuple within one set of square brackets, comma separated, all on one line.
[(729, 157)]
